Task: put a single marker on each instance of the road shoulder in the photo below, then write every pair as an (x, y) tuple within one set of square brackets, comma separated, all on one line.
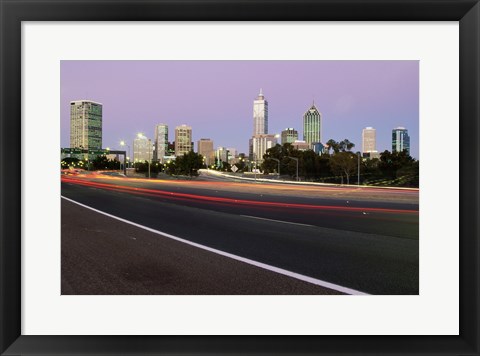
[(104, 256)]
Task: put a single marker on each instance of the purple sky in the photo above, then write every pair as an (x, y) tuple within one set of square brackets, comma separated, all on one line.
[(216, 98)]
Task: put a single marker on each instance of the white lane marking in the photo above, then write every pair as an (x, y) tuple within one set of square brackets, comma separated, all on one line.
[(298, 276), (280, 221)]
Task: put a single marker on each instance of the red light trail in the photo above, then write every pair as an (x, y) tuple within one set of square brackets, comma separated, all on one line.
[(205, 198)]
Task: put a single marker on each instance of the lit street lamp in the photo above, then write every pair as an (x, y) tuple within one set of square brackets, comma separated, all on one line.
[(122, 143)]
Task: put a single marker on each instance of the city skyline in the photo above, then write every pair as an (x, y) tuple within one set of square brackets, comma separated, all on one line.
[(350, 95)]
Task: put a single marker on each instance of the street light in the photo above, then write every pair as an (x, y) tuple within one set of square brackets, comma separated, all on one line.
[(149, 159), (122, 143), (358, 154), (296, 159), (278, 165)]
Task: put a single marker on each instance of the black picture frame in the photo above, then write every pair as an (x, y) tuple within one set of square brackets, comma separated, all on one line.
[(13, 12)]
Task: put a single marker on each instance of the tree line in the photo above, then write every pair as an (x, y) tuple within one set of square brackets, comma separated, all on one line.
[(340, 165), (98, 163)]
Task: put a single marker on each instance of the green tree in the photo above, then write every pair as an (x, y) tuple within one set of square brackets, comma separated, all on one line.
[(333, 145), (241, 165), (188, 164), (391, 162), (100, 163), (400, 168), (322, 167), (226, 167), (346, 145), (308, 164), (68, 162), (280, 152), (170, 167), (344, 163), (408, 176), (370, 170), (141, 167)]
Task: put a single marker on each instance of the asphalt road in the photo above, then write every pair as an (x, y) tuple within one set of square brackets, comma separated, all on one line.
[(362, 239), (101, 255)]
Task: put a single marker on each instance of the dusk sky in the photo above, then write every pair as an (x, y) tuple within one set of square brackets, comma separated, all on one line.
[(216, 98)]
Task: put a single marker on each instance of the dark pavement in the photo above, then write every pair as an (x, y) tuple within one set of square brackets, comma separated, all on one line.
[(101, 255), (368, 242)]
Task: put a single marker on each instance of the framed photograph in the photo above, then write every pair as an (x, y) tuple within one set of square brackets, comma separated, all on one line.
[(240, 177)]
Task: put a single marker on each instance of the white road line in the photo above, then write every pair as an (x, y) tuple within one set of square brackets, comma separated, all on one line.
[(298, 276), (280, 221)]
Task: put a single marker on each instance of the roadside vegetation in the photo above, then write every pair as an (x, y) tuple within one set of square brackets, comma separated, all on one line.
[(339, 164)]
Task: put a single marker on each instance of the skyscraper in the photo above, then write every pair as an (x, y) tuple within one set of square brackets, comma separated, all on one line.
[(205, 148), (183, 140), (312, 125), (142, 149), (369, 141), (400, 140), (85, 124), (232, 153), (260, 145), (161, 142), (260, 139), (221, 155), (260, 115), (289, 135)]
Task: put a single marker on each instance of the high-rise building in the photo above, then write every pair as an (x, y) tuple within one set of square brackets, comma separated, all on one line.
[(260, 140), (205, 148), (232, 153), (259, 146), (183, 140), (369, 142), (142, 149), (400, 140), (221, 155), (161, 142), (289, 135), (260, 115), (312, 125), (85, 124)]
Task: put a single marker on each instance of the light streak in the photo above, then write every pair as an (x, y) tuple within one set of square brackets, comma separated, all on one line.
[(270, 186), (205, 198)]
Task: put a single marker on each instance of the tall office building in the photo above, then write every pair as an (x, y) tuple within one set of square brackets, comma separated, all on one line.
[(289, 135), (260, 115), (369, 140), (142, 149), (232, 153), (161, 142), (221, 155), (85, 124), (312, 125), (183, 140), (259, 146), (400, 140), (205, 148), (260, 139)]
